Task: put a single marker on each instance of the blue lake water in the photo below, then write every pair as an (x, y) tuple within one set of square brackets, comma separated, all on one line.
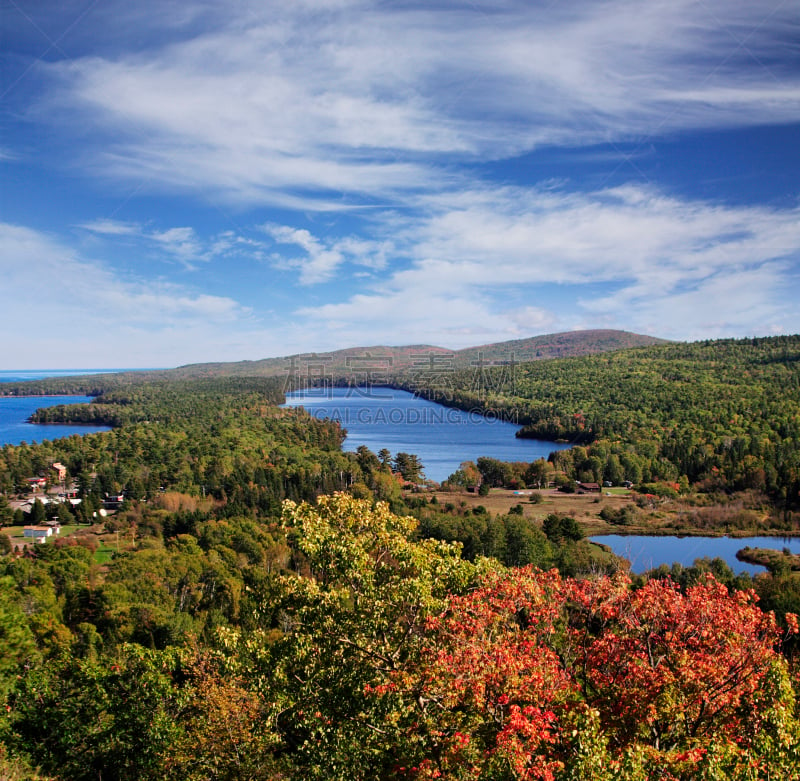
[(646, 553), (15, 410), (442, 438)]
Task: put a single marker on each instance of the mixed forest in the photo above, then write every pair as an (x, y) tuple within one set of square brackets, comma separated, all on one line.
[(262, 605), (721, 415)]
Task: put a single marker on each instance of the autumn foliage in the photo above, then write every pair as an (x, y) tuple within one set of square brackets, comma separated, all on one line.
[(384, 658), (537, 677)]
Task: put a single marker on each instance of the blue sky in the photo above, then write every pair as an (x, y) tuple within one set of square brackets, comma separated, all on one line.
[(188, 181)]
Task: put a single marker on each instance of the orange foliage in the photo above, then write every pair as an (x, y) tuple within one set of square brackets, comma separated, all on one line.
[(513, 667)]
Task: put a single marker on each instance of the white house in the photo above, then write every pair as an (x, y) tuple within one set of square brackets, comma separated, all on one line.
[(37, 533)]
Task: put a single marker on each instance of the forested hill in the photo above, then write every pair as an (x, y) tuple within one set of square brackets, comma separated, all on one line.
[(725, 411), (354, 364), (263, 606), (562, 345), (363, 363)]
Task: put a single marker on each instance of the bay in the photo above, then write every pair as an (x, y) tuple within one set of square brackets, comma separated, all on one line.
[(15, 411), (441, 437), (646, 553)]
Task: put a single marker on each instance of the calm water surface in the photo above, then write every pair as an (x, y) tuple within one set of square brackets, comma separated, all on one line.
[(15, 410), (403, 423), (645, 553)]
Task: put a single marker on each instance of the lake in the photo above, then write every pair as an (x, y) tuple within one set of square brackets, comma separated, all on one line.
[(15, 410), (646, 553), (441, 437)]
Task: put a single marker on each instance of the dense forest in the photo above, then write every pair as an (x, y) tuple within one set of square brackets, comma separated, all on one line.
[(262, 605), (719, 415)]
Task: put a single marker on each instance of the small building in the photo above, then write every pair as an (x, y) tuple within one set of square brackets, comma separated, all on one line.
[(589, 487), (38, 534), (26, 507), (113, 501), (35, 483), (60, 470)]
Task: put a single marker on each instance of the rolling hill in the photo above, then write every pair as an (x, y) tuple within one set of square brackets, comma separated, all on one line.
[(356, 362), (375, 363)]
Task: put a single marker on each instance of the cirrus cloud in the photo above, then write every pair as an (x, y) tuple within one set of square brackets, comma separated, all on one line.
[(324, 106), (631, 257)]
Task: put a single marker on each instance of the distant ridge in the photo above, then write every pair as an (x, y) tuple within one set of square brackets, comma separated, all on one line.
[(336, 362), (567, 344), (356, 364), (395, 360)]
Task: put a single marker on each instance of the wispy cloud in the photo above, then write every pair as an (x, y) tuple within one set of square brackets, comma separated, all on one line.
[(321, 259), (620, 233), (180, 244), (630, 257), (84, 311), (339, 171), (106, 227), (325, 104)]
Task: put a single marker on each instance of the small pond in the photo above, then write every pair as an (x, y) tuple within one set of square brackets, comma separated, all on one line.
[(646, 552)]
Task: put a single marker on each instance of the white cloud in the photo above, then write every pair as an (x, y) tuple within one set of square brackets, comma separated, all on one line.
[(321, 259), (73, 309), (740, 302), (181, 243), (374, 108), (107, 227), (320, 263), (533, 320), (626, 257), (409, 317), (620, 233), (325, 105)]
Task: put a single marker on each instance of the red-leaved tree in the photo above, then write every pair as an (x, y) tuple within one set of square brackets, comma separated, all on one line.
[(533, 676)]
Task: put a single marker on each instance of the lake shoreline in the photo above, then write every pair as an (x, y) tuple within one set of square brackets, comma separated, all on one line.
[(17, 424), (441, 436), (648, 552), (769, 558)]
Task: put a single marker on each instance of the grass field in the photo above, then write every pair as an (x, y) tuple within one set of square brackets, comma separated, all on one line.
[(104, 553), (668, 517), (584, 508)]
